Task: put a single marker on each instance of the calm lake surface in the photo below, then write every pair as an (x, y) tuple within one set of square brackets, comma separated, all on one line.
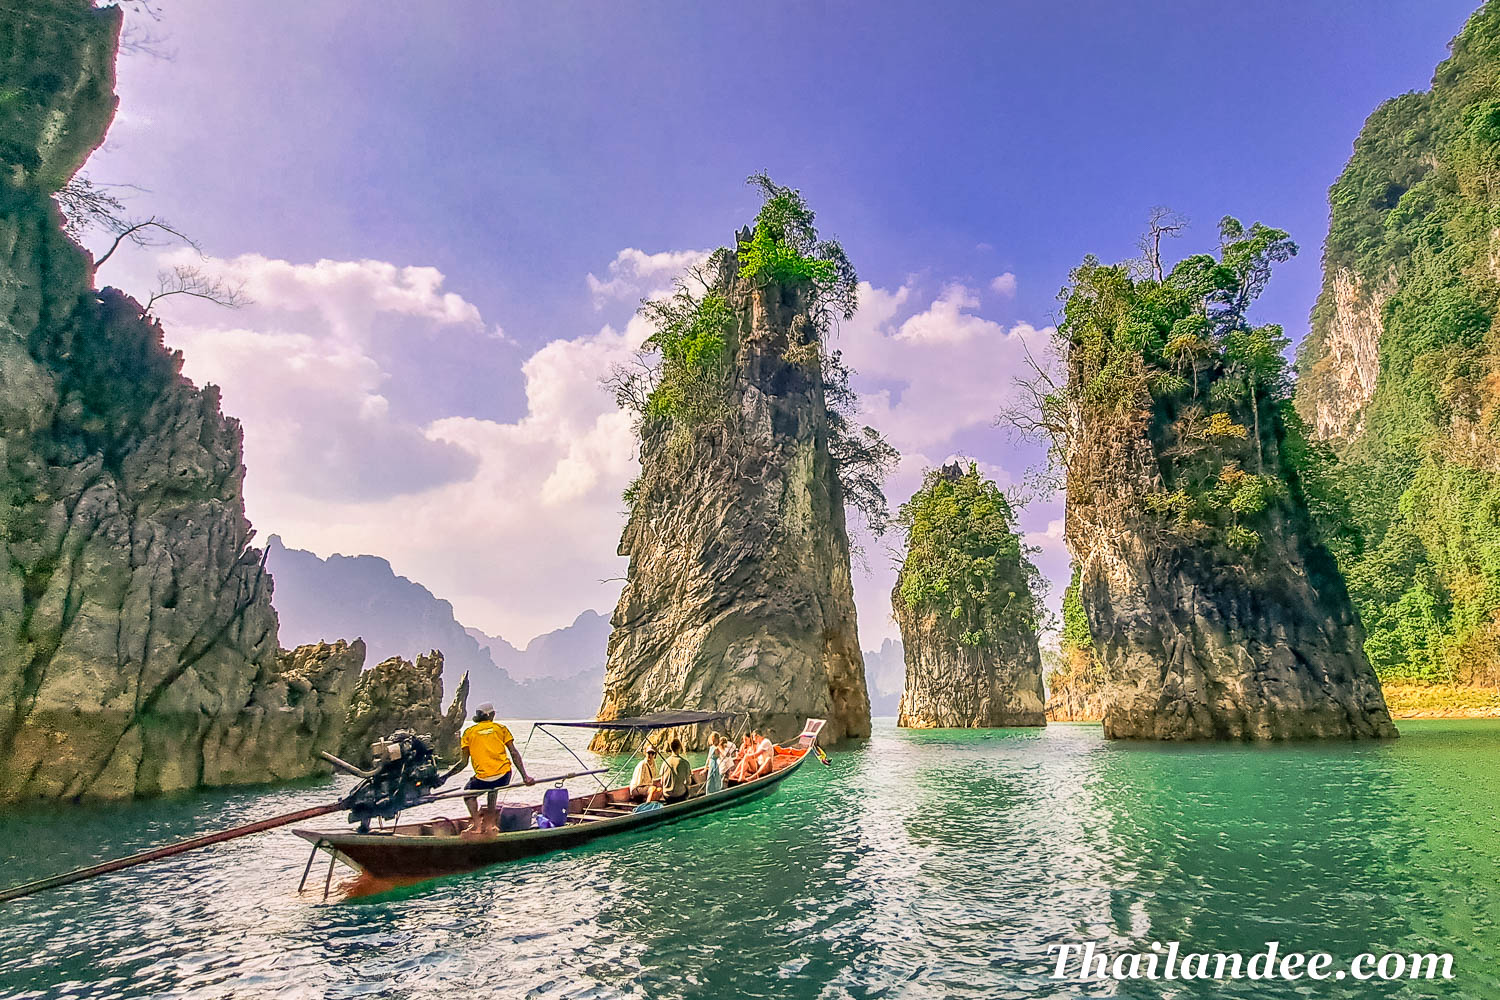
[(921, 864)]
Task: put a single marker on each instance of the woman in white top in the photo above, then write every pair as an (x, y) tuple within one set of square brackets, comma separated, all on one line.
[(713, 770), (765, 756)]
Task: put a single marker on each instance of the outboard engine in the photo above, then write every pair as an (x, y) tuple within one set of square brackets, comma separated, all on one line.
[(405, 770)]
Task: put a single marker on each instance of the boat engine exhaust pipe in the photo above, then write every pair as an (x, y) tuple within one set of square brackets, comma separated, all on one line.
[(344, 765)]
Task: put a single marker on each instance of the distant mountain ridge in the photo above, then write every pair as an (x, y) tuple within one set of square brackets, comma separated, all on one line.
[(564, 652), (885, 675), (558, 674)]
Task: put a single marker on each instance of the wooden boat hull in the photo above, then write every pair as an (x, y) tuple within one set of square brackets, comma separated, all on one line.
[(396, 854)]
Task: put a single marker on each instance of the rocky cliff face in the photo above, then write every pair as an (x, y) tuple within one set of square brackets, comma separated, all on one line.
[(1215, 610), (399, 694), (1340, 359), (1404, 337), (295, 711), (138, 648), (739, 596), (1075, 691), (1195, 644), (965, 604), (950, 685)]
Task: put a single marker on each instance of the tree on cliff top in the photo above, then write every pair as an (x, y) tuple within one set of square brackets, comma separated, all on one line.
[(965, 560), (683, 375), (1181, 348)]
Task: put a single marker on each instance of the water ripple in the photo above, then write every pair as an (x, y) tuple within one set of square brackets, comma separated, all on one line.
[(926, 864)]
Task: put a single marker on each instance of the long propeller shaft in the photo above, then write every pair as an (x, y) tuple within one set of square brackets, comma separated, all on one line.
[(156, 854)]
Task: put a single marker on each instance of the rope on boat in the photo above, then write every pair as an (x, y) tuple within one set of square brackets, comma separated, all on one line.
[(156, 854)]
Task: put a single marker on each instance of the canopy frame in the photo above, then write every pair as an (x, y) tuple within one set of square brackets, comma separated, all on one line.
[(646, 723)]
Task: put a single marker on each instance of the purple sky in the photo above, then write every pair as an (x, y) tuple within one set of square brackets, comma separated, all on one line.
[(446, 212)]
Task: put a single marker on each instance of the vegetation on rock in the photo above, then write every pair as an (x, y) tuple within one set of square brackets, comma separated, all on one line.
[(1215, 608), (1415, 217), (680, 383), (1179, 344), (966, 602), (738, 595), (965, 559)]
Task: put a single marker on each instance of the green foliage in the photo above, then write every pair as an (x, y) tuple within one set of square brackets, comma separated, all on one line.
[(684, 374), (784, 247), (1075, 622), (965, 559), (690, 334), (1181, 345), (1416, 214), (861, 454)]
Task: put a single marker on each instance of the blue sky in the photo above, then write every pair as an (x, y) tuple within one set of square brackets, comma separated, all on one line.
[(516, 149)]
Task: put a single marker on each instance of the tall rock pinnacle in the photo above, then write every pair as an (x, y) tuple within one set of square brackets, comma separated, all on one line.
[(739, 595)]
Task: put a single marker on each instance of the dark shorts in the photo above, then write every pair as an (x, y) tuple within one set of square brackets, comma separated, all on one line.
[(486, 784), (676, 798)]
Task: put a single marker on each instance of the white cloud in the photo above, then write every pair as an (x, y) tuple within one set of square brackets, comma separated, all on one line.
[(1051, 557), (932, 378), (635, 274), (1005, 285), (299, 367), (516, 523), (937, 372)]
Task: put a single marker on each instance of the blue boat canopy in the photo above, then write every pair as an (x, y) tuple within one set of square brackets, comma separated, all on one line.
[(656, 720)]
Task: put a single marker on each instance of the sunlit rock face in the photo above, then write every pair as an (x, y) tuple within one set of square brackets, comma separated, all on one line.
[(1074, 690), (404, 694), (1196, 641), (950, 685), (738, 595), (1340, 362), (138, 650)]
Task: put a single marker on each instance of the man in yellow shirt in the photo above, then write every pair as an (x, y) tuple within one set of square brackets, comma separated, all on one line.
[(492, 749)]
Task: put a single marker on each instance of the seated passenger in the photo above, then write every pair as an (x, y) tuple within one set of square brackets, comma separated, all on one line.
[(745, 763), (765, 755), (677, 775), (750, 757), (645, 783)]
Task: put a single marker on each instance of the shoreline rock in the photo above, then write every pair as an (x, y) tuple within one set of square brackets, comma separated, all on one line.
[(138, 645), (402, 694)]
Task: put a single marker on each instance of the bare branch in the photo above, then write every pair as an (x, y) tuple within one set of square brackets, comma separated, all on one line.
[(1161, 224), (86, 205), (193, 282), (138, 233)]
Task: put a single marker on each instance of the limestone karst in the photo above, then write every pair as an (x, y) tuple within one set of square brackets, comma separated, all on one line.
[(738, 595), (1075, 682), (403, 694), (965, 602), (138, 645), (1398, 373), (1215, 608)]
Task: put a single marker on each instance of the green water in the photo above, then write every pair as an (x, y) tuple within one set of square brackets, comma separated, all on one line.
[(931, 864)]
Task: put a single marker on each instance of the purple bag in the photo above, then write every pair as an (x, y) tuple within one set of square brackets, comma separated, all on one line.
[(555, 806)]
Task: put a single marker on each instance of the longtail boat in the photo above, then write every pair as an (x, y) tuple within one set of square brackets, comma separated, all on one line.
[(433, 847)]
